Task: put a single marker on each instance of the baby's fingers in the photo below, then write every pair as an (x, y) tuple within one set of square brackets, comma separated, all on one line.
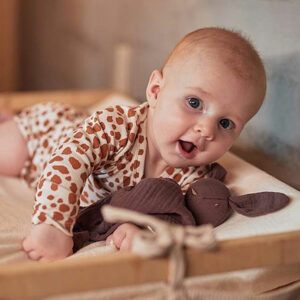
[(30, 250), (131, 231), (34, 255), (109, 241), (27, 244), (126, 243), (123, 236), (116, 238)]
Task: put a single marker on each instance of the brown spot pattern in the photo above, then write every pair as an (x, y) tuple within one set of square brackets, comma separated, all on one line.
[(74, 163)]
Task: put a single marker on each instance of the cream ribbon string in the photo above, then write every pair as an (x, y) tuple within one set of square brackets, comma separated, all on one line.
[(164, 239)]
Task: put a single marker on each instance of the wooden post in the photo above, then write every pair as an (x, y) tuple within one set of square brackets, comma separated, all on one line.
[(9, 36)]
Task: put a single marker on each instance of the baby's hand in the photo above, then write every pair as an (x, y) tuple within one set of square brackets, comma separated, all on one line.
[(46, 243), (123, 236)]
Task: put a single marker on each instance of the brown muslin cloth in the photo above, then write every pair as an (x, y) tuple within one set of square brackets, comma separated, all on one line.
[(206, 201), (158, 197)]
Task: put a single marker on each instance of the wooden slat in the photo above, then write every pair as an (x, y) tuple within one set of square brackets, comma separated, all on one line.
[(82, 98), (246, 253), (37, 280)]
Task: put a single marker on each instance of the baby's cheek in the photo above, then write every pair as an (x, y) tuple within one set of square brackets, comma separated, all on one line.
[(219, 149)]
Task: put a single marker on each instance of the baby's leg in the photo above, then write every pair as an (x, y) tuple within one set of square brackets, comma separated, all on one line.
[(13, 149), (6, 115)]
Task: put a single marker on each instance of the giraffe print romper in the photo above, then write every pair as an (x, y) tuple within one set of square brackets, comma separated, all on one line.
[(76, 160)]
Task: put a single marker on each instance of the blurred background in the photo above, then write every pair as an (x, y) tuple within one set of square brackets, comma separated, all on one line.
[(115, 44)]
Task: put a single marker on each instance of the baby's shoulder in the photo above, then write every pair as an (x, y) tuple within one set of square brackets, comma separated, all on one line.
[(120, 126), (122, 114)]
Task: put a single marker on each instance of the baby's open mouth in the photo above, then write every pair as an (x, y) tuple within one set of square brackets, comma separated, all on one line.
[(187, 146)]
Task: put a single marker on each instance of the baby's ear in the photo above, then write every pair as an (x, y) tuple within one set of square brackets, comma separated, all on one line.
[(153, 87), (257, 204)]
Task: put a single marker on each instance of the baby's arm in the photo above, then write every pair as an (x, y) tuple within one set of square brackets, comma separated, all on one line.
[(62, 181)]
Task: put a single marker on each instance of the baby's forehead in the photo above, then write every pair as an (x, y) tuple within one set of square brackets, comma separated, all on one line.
[(235, 61), (240, 64)]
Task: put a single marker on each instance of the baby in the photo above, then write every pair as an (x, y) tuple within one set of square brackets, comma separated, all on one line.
[(210, 86)]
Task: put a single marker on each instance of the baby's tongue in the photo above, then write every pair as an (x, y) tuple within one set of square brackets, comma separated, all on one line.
[(187, 146)]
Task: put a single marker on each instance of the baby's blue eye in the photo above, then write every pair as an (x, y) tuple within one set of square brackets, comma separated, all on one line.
[(195, 103), (226, 124)]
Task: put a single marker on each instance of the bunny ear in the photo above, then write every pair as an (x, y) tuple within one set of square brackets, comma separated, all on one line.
[(258, 204)]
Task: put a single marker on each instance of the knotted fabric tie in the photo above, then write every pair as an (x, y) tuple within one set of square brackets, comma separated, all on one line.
[(164, 239)]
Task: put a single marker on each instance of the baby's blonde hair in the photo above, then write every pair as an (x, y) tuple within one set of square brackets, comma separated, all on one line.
[(229, 46)]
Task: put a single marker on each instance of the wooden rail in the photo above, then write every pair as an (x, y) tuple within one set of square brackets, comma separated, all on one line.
[(38, 280), (81, 98)]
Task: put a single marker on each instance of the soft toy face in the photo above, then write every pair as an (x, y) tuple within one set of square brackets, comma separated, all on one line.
[(207, 199), (210, 201)]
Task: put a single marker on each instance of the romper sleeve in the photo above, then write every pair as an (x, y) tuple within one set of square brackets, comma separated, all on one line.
[(97, 140)]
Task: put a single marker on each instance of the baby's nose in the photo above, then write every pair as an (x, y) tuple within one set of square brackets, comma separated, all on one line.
[(206, 128)]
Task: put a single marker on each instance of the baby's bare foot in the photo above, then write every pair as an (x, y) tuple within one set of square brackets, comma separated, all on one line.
[(46, 243)]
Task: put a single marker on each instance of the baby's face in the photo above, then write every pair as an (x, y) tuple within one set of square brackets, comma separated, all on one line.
[(197, 110)]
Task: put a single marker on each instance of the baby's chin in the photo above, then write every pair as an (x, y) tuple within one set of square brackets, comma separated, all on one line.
[(176, 161), (185, 163)]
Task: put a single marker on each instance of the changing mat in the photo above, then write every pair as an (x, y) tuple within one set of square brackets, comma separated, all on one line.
[(16, 201)]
